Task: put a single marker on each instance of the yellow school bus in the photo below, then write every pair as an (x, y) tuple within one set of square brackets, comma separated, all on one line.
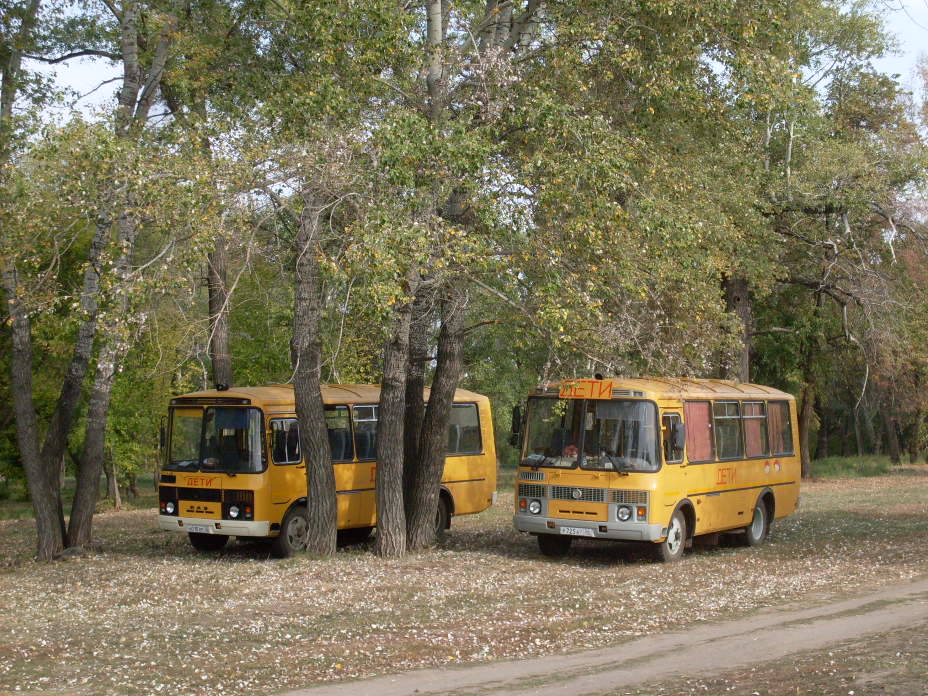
[(655, 460), (233, 467)]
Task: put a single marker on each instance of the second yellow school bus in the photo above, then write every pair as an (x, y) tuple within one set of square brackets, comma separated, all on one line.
[(655, 460), (233, 465)]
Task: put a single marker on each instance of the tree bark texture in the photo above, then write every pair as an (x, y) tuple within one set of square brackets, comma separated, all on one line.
[(391, 516), (41, 475), (891, 424), (87, 490), (738, 300), (433, 441), (419, 331), (218, 292), (306, 358)]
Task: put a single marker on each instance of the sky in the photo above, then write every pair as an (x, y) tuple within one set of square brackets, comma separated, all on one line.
[(906, 19)]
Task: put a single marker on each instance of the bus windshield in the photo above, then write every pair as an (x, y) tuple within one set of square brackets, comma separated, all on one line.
[(617, 435), (218, 439)]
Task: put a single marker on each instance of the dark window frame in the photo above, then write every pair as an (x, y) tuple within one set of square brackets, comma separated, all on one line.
[(480, 447), (668, 437), (296, 421)]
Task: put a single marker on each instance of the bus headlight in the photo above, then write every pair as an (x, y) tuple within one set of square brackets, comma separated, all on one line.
[(234, 512), (624, 513), (170, 508), (534, 507)]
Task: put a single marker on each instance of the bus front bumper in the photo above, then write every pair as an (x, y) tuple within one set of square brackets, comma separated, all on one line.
[(619, 531), (241, 528)]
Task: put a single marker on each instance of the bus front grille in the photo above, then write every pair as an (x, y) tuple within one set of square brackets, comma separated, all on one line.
[(531, 490), (628, 497), (589, 495), (532, 475)]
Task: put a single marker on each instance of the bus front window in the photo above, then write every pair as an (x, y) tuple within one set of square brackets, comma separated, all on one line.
[(621, 436), (232, 441), (186, 428), (552, 432), (617, 435)]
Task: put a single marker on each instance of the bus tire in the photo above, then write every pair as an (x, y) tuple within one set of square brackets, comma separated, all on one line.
[(207, 542), (554, 545), (442, 516), (354, 535), (671, 548), (293, 532), (756, 533)]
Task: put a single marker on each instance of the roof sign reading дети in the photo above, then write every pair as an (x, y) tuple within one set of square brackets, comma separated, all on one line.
[(586, 389)]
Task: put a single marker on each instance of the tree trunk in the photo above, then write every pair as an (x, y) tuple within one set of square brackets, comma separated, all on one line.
[(821, 448), (858, 432), (110, 465), (306, 358), (391, 517), (415, 390), (738, 300), (41, 475), (219, 314), (913, 442), (805, 423), (80, 525), (892, 438), (433, 441)]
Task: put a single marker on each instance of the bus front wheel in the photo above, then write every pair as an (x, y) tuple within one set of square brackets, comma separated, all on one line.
[(293, 532), (207, 542), (554, 545), (756, 532), (671, 548)]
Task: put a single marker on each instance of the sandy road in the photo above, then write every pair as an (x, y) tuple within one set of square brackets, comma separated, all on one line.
[(706, 649)]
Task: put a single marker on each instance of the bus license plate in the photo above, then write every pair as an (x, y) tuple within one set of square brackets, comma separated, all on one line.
[(578, 531), (201, 528)]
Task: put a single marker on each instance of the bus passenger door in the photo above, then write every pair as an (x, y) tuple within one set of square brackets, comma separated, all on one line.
[(673, 480), (287, 470)]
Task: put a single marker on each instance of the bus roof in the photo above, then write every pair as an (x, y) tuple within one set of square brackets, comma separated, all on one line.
[(282, 394), (677, 388)]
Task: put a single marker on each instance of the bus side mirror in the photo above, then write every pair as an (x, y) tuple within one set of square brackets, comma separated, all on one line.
[(679, 436), (516, 430), (162, 435)]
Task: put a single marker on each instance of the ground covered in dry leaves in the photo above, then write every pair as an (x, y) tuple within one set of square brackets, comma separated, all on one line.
[(147, 615)]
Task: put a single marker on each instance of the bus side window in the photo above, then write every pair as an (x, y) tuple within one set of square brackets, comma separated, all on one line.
[(365, 430), (464, 430), (286, 439), (673, 448), (699, 441), (337, 421)]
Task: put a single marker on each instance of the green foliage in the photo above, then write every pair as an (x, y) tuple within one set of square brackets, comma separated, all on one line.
[(851, 467)]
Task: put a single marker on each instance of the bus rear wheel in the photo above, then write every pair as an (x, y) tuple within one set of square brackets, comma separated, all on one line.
[(756, 533), (671, 548), (293, 532), (442, 517), (207, 542), (554, 545)]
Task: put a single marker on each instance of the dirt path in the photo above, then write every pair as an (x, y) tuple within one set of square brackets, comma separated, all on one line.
[(705, 650)]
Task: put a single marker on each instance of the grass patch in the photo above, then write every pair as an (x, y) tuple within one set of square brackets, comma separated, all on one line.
[(18, 506), (851, 467)]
